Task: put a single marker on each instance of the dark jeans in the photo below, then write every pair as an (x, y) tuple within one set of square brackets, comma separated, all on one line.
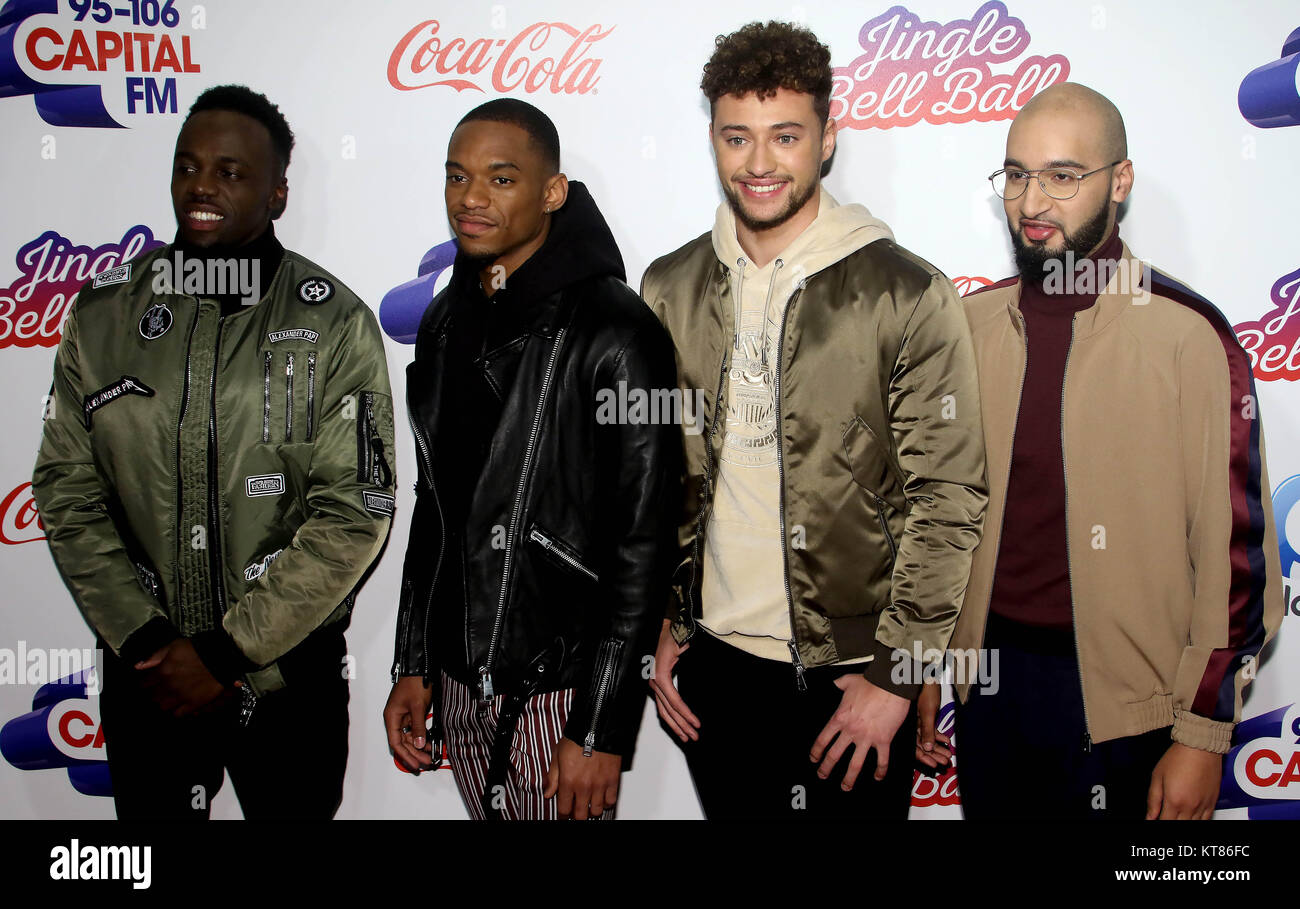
[(756, 730), (1022, 751), (287, 763)]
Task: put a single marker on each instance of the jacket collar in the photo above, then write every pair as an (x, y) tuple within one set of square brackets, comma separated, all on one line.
[(1129, 285)]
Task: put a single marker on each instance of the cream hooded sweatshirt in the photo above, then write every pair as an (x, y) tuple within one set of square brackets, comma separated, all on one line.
[(743, 596)]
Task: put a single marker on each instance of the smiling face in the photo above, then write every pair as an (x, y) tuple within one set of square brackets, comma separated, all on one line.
[(1045, 229), (499, 193), (227, 182), (769, 155)]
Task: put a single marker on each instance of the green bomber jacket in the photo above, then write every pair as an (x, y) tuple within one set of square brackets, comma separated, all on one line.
[(217, 477)]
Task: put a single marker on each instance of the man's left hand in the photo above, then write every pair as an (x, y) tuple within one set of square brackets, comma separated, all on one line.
[(1184, 785), (868, 717), (583, 786)]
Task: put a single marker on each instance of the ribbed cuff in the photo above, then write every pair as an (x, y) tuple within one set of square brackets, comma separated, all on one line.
[(221, 656), (147, 640), (895, 671), (1201, 732)]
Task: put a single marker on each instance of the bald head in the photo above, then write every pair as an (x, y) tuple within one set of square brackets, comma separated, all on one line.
[(1081, 111)]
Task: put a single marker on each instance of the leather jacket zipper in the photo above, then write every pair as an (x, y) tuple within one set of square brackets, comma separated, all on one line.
[(288, 397), (551, 546), (609, 651), (311, 393), (800, 682), (485, 690), (266, 398)]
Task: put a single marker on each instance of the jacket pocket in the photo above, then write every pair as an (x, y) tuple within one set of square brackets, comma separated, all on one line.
[(871, 472), (561, 553), (375, 439)]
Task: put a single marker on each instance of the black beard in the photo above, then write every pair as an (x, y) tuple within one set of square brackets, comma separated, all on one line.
[(1032, 260), (796, 203)]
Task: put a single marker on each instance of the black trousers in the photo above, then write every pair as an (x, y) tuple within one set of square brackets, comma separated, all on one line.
[(287, 763), (756, 730), (1022, 750)]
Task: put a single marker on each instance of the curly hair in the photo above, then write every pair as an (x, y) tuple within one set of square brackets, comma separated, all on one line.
[(764, 58)]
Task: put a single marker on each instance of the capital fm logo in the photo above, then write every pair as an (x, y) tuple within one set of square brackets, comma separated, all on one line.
[(1269, 96), (51, 269), (913, 71), (1261, 773), (1273, 340), (402, 307), (545, 56), (96, 63), (61, 731)]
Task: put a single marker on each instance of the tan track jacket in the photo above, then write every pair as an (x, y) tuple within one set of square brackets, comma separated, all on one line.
[(1173, 556)]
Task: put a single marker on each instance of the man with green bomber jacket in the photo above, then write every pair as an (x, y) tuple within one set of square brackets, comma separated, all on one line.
[(216, 477)]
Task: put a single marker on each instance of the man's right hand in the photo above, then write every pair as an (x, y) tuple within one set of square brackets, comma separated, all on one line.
[(672, 709), (404, 720), (178, 682), (934, 749)]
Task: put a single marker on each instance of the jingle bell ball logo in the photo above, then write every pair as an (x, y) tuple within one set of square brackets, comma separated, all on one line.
[(552, 57), (51, 270), (940, 789), (97, 63), (914, 71), (1273, 340), (402, 307)]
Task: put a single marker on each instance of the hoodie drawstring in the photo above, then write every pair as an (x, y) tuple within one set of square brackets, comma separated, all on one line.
[(767, 305)]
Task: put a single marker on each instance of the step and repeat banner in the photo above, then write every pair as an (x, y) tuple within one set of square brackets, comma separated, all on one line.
[(92, 93)]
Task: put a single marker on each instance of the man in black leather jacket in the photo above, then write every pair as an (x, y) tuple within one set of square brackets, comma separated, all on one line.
[(537, 568)]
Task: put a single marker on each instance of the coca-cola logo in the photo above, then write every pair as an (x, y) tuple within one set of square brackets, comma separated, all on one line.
[(1273, 340), (969, 283), (50, 272), (916, 71), (19, 520), (552, 56)]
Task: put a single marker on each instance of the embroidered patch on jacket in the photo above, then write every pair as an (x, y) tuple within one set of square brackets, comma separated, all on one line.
[(155, 322), (294, 334), (378, 503), (315, 289), (119, 275), (271, 484), (127, 385), (257, 569)]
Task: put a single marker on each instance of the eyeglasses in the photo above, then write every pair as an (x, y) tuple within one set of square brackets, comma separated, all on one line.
[(1057, 182)]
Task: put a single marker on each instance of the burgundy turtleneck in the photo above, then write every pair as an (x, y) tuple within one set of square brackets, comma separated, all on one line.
[(1031, 584)]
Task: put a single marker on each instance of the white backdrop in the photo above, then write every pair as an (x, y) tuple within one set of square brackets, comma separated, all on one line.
[(1213, 205)]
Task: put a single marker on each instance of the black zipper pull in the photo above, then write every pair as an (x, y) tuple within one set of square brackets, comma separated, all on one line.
[(799, 681), (1087, 742)]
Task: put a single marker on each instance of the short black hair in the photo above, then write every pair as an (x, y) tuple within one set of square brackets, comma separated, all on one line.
[(539, 127), (243, 100), (762, 58)]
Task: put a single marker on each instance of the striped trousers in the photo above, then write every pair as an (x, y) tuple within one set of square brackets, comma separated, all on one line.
[(469, 731)]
